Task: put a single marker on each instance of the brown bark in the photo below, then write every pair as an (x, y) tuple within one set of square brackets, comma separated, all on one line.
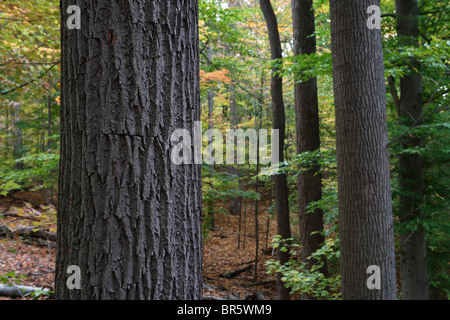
[(308, 136), (128, 217), (281, 189)]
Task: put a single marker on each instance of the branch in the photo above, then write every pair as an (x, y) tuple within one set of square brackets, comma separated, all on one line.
[(418, 121), (16, 291), (393, 15), (33, 80)]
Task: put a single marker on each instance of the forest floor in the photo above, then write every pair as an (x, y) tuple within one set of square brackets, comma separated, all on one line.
[(27, 262)]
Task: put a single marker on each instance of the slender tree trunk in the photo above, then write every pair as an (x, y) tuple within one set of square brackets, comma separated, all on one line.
[(128, 217), (18, 139), (210, 204), (279, 122), (414, 275), (308, 136), (365, 205), (235, 205)]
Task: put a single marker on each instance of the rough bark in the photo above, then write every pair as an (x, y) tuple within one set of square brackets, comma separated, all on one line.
[(279, 122), (365, 205), (128, 217), (414, 275), (308, 136)]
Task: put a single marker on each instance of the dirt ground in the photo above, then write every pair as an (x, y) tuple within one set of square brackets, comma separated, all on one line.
[(29, 263)]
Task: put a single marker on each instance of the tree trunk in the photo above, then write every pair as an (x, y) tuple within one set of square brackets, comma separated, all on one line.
[(308, 136), (414, 275), (365, 205), (235, 203), (18, 137), (210, 202), (128, 217), (281, 189)]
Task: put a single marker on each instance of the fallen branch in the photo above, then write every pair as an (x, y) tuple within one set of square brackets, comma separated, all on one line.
[(255, 296), (16, 291), (30, 232), (234, 273)]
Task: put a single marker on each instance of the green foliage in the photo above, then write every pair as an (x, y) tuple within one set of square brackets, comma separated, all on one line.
[(40, 171), (301, 279), (218, 185), (11, 278)]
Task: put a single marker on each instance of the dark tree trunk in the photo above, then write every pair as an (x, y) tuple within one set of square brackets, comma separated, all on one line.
[(365, 205), (18, 136), (128, 217), (235, 202), (308, 136), (414, 275), (281, 189), (210, 202)]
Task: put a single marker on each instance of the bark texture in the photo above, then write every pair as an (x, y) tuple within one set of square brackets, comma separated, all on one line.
[(414, 275), (308, 135), (279, 122), (127, 216), (365, 205)]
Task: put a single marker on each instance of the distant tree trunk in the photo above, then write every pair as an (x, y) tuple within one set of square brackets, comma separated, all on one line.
[(235, 205), (365, 207), (209, 202), (129, 217), (281, 189), (414, 275), (308, 136), (18, 136), (49, 121)]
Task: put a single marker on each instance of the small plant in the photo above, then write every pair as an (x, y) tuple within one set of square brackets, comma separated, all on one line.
[(37, 294), (299, 278), (11, 278)]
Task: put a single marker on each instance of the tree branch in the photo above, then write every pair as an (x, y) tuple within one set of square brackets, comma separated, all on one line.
[(33, 80)]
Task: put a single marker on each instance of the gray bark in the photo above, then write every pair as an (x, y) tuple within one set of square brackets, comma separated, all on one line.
[(128, 217), (365, 205)]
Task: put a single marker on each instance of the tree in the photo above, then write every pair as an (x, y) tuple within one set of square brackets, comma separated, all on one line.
[(414, 273), (128, 217), (365, 205), (280, 182), (308, 135)]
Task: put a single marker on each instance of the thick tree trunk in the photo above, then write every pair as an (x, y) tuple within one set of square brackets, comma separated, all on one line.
[(128, 217), (281, 189), (414, 275), (308, 136), (365, 205)]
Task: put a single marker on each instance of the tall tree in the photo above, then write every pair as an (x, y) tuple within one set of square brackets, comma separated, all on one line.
[(308, 135), (365, 205), (414, 275), (128, 217), (279, 119)]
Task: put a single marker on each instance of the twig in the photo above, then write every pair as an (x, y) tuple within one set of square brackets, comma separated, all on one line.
[(417, 122), (31, 81)]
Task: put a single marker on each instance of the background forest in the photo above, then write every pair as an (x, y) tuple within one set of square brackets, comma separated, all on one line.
[(235, 93)]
